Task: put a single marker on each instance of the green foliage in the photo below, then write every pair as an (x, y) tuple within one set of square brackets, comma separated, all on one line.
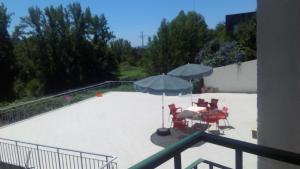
[(7, 58), (121, 49), (128, 72), (230, 47), (59, 48), (176, 42), (187, 39)]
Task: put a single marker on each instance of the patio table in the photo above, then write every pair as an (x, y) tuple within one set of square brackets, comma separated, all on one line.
[(192, 112)]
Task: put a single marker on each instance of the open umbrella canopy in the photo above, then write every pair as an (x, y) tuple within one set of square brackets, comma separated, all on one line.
[(163, 84), (191, 71)]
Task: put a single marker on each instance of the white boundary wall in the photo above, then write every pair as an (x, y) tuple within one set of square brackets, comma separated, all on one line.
[(234, 78)]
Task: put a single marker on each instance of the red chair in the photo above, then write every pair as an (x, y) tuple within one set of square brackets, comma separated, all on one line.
[(200, 101), (211, 118), (213, 104), (224, 114), (204, 104), (179, 123), (173, 110)]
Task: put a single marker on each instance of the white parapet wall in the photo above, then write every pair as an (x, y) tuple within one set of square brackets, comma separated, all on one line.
[(236, 78)]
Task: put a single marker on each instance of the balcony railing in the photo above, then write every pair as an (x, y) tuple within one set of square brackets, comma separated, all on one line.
[(35, 156), (28, 109), (175, 150)]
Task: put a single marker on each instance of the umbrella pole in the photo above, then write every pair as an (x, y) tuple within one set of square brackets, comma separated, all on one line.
[(163, 110), (191, 93)]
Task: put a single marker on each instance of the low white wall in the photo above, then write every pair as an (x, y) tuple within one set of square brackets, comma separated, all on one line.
[(234, 78)]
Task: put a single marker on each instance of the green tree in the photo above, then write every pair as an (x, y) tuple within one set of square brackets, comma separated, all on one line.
[(176, 42), (7, 58), (121, 49), (245, 34), (62, 47)]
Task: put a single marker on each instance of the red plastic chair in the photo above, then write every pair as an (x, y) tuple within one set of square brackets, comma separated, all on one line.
[(204, 104), (224, 114), (200, 101), (214, 104), (179, 123), (211, 118), (173, 110)]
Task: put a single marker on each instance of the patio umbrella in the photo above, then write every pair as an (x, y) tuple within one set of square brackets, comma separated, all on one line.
[(191, 71), (163, 85)]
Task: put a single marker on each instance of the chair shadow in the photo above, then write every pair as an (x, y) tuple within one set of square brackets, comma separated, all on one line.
[(176, 135)]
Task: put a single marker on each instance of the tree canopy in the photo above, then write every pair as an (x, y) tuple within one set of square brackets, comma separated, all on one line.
[(176, 42), (187, 39), (7, 58), (62, 47)]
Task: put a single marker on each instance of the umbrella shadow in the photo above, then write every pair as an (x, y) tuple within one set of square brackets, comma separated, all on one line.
[(177, 134)]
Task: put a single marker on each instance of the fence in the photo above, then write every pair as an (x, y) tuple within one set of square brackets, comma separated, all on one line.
[(25, 110), (35, 156)]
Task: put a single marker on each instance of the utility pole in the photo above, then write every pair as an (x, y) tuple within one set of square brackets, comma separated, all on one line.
[(142, 37)]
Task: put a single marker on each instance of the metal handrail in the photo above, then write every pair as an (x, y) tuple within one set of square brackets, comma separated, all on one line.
[(52, 147), (174, 151), (32, 108), (63, 93), (108, 163), (19, 153)]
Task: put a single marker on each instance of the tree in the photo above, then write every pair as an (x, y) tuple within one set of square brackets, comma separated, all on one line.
[(121, 49), (176, 42), (62, 47), (245, 34), (7, 58)]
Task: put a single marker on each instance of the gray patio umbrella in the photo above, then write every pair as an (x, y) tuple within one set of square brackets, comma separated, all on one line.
[(163, 85), (191, 71)]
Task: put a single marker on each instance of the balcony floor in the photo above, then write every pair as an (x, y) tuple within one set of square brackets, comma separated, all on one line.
[(121, 124)]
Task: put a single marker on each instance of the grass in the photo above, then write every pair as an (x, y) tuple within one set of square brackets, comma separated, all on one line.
[(129, 72)]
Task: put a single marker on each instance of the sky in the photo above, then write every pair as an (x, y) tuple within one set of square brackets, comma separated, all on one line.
[(128, 18)]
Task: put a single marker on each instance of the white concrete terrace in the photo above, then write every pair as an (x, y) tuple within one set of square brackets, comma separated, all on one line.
[(122, 123)]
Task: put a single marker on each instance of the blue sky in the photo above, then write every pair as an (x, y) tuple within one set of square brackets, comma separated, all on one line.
[(128, 18)]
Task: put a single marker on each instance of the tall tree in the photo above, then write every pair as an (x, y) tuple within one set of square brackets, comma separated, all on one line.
[(7, 59), (63, 47), (177, 42)]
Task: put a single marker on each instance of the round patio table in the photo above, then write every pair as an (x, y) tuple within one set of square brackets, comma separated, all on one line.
[(192, 112)]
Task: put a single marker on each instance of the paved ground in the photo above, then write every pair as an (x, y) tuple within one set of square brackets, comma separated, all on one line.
[(123, 124)]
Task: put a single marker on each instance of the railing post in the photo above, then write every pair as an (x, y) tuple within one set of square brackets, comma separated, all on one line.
[(211, 166), (58, 156), (177, 161), (238, 159), (18, 154), (38, 153), (108, 165), (81, 160)]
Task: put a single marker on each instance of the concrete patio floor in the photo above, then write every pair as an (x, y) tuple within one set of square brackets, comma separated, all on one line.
[(122, 124)]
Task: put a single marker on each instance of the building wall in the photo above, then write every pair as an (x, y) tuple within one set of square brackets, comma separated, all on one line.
[(234, 78), (278, 90)]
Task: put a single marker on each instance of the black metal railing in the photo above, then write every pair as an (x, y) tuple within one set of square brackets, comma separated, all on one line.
[(11, 114), (35, 156), (174, 151)]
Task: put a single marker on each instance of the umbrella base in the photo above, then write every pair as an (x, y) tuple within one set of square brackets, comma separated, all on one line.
[(163, 132)]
